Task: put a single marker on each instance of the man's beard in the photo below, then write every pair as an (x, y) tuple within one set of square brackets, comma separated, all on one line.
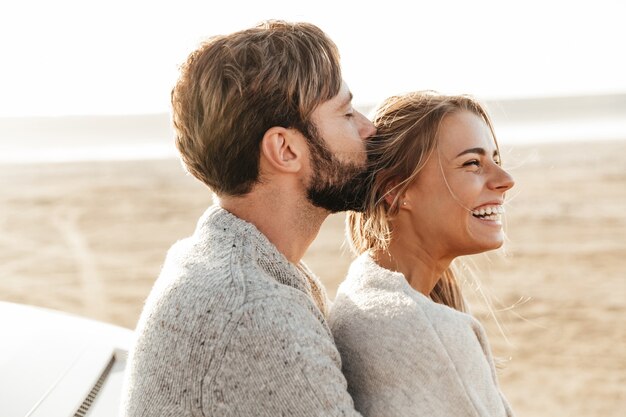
[(335, 186)]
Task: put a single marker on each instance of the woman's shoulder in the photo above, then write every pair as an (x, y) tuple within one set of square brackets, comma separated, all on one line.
[(375, 296), (371, 286)]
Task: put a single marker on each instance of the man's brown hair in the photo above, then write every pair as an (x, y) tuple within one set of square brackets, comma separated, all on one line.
[(235, 87)]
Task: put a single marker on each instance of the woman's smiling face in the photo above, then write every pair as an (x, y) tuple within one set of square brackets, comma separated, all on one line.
[(457, 199)]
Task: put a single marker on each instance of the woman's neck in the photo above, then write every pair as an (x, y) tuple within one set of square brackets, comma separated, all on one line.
[(420, 268)]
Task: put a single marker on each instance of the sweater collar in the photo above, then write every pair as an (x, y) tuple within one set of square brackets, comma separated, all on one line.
[(218, 220), (365, 272)]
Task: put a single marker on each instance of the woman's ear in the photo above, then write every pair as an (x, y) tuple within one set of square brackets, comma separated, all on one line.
[(392, 193), (282, 149)]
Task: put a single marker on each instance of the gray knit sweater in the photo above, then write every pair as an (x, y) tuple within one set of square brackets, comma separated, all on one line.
[(231, 328), (405, 355)]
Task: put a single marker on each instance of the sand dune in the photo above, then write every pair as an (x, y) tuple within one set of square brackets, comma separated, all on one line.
[(89, 238)]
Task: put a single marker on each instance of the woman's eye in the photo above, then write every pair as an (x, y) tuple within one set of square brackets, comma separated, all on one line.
[(473, 162), (349, 115)]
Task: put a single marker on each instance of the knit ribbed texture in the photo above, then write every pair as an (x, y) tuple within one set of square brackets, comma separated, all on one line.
[(231, 328), (405, 355)]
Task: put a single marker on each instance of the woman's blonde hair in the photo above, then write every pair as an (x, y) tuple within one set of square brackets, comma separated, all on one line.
[(407, 128)]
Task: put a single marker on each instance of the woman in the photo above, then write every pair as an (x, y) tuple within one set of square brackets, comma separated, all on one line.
[(408, 347)]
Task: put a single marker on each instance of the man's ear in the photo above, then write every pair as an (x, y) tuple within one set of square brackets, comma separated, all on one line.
[(282, 148)]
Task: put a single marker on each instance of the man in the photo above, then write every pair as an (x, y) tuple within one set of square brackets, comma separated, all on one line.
[(236, 324)]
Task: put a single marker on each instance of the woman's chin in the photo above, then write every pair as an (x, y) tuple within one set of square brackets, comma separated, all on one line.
[(493, 245), (487, 242)]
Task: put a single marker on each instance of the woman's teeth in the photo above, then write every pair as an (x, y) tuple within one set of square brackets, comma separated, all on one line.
[(489, 212)]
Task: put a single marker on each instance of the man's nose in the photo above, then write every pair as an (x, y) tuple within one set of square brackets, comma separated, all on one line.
[(367, 128)]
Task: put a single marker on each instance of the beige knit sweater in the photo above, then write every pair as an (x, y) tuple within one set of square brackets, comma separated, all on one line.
[(231, 328), (405, 355)]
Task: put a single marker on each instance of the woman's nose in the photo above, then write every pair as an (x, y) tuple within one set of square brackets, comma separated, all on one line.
[(502, 180)]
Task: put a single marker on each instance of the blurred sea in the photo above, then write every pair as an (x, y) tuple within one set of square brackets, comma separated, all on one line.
[(85, 138), (136, 137)]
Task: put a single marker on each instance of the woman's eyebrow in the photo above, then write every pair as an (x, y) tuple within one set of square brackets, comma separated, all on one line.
[(479, 151)]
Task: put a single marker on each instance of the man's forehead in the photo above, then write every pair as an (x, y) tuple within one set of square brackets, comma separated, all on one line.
[(344, 97), (338, 103), (347, 99)]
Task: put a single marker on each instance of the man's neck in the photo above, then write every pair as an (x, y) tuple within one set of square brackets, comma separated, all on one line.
[(290, 224)]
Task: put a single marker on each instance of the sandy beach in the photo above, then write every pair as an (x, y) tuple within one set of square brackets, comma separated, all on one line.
[(89, 239)]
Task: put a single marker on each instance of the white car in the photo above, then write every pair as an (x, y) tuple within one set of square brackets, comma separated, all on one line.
[(54, 364)]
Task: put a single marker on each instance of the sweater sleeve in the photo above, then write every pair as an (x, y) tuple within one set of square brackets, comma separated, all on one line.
[(280, 360), (397, 365)]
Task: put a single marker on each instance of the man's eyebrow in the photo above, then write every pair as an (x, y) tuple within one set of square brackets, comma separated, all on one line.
[(347, 100), (479, 151)]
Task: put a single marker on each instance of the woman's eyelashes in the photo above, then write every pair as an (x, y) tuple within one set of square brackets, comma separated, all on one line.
[(472, 163), (476, 163)]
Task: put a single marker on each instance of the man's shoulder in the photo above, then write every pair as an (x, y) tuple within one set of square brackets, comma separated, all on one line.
[(228, 275), (227, 256), (283, 308)]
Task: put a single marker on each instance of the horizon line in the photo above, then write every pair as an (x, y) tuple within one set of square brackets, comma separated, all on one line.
[(361, 105)]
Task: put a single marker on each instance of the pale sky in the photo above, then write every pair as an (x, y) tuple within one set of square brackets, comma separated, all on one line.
[(117, 57)]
